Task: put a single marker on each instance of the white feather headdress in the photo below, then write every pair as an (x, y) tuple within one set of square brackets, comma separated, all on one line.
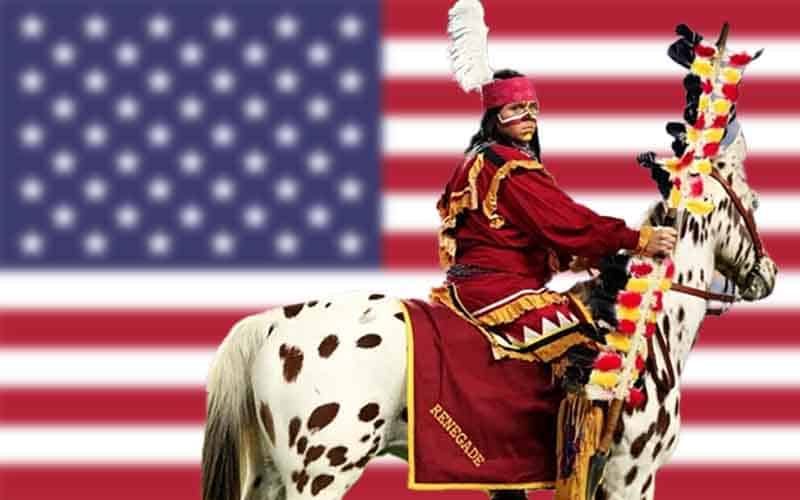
[(469, 55)]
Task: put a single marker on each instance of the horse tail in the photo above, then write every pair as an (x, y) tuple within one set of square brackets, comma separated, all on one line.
[(231, 421)]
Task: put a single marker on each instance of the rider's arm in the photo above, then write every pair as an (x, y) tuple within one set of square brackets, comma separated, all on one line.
[(533, 201)]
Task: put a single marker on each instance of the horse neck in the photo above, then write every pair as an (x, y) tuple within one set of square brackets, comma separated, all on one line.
[(694, 267)]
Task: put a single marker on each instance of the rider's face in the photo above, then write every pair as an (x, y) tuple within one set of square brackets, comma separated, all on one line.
[(517, 120)]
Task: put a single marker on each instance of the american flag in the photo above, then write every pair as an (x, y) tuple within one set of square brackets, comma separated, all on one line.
[(168, 167)]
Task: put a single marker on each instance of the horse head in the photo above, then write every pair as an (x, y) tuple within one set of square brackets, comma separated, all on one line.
[(739, 253)]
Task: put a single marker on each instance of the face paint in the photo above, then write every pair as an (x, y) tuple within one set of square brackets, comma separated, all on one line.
[(528, 113)]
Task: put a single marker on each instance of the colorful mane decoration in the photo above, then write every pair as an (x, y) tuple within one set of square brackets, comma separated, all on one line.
[(715, 75)]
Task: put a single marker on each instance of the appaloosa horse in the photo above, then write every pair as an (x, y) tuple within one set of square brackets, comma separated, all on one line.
[(300, 398)]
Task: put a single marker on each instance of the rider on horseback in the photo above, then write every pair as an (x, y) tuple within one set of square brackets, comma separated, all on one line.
[(507, 228)]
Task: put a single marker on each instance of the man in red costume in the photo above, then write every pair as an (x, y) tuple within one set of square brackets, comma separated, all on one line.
[(507, 228)]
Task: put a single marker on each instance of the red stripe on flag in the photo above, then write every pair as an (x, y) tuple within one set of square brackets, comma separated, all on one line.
[(84, 406), (612, 18), (638, 96), (149, 329), (697, 482), (419, 250), (127, 406), (600, 173), (108, 328)]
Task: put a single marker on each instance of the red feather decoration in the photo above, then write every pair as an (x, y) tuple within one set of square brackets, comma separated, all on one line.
[(720, 122), (642, 268), (639, 364), (659, 303), (635, 398), (608, 361), (687, 158), (731, 91), (696, 185), (649, 330), (629, 299), (626, 326), (677, 182), (740, 59), (707, 86), (700, 124), (711, 149), (704, 50), (669, 272)]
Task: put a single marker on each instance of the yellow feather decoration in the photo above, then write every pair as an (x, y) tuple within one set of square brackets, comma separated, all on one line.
[(692, 134), (618, 341), (702, 104), (722, 106), (699, 207), (713, 134), (632, 314), (675, 197), (703, 166), (604, 379), (638, 285), (731, 75), (666, 284), (702, 67), (672, 165)]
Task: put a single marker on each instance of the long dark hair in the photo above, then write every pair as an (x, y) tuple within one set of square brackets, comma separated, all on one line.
[(489, 129)]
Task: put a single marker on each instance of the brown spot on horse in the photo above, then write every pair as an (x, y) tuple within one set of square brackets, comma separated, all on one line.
[(313, 453), (639, 443), (292, 361), (647, 484), (269, 424), (328, 345), (657, 449), (368, 412), (400, 317), (292, 310), (630, 476), (322, 416), (320, 483), (294, 428), (301, 445), (663, 421), (376, 296), (369, 341), (337, 455)]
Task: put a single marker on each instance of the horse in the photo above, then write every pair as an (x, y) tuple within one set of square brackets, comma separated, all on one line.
[(302, 397)]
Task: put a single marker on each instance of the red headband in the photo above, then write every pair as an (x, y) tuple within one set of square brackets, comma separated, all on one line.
[(503, 91)]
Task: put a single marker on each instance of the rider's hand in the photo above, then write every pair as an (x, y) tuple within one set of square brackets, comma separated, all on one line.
[(662, 242)]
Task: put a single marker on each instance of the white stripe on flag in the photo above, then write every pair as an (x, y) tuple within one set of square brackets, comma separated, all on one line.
[(579, 134), (182, 445), (638, 57), (416, 212), (255, 288), (171, 367)]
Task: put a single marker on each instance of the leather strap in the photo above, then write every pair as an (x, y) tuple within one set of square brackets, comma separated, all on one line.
[(703, 294), (750, 223), (747, 215)]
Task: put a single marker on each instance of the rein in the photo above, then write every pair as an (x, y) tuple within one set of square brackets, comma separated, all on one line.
[(750, 223)]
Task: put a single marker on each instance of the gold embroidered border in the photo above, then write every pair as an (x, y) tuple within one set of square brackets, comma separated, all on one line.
[(412, 468), (449, 210), (516, 308), (490, 201)]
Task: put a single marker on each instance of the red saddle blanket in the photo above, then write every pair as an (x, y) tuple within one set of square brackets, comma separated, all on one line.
[(475, 422)]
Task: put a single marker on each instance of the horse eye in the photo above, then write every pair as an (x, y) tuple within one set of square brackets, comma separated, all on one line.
[(755, 201)]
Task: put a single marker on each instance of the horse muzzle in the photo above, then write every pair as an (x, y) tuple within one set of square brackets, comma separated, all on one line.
[(760, 281)]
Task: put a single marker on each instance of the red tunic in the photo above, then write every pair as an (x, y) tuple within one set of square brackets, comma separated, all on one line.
[(503, 211)]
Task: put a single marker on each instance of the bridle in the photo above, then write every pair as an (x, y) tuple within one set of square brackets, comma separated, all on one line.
[(750, 223)]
